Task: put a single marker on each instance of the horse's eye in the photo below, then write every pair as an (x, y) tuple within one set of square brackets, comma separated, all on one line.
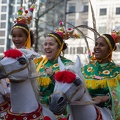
[(77, 81), (22, 61)]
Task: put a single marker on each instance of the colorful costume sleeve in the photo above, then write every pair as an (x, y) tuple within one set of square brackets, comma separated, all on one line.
[(102, 79)]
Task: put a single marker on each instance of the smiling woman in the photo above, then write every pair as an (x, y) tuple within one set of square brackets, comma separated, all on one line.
[(20, 36), (102, 76), (53, 47)]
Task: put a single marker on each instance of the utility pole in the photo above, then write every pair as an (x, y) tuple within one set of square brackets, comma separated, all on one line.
[(9, 25)]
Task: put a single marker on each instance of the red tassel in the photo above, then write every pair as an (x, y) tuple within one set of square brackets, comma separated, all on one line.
[(47, 118), (13, 53), (65, 76)]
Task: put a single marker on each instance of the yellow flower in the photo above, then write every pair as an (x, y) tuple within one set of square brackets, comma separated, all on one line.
[(89, 69), (44, 81), (55, 65), (106, 72)]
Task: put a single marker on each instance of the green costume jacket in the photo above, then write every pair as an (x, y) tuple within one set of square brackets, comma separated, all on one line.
[(102, 79), (45, 82)]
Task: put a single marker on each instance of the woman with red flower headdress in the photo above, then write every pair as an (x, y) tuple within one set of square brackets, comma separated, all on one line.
[(54, 46), (102, 76)]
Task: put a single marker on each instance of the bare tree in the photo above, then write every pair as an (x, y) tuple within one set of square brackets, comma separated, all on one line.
[(38, 21)]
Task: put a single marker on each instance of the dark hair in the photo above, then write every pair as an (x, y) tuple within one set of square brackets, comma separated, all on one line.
[(32, 37), (111, 40), (31, 32), (61, 40)]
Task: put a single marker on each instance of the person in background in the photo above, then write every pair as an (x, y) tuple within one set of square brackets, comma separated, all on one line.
[(22, 36), (102, 77)]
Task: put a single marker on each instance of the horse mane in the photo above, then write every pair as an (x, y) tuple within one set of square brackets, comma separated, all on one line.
[(13, 53), (65, 76)]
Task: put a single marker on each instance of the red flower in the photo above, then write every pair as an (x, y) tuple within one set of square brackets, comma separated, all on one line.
[(47, 118)]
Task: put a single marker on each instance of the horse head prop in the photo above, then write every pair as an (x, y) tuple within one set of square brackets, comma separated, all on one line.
[(18, 66), (70, 90)]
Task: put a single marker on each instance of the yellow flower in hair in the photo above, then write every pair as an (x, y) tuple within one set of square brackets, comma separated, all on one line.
[(106, 72)]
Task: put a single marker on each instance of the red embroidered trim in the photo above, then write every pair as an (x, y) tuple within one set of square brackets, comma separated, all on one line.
[(99, 116), (4, 106), (24, 116)]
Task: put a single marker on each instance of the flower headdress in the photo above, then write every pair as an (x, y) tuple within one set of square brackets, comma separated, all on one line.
[(66, 33), (22, 21), (25, 16), (61, 34), (116, 34)]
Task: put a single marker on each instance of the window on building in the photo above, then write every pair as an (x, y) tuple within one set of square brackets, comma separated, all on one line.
[(103, 11), (18, 1), (2, 33), (118, 11), (85, 8), (72, 50), (2, 41), (85, 22), (102, 29), (2, 25), (71, 21), (1, 49), (3, 16), (3, 8), (79, 50), (71, 8), (4, 1), (43, 0)]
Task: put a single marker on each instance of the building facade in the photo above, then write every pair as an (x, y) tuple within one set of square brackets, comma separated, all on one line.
[(107, 15), (76, 12)]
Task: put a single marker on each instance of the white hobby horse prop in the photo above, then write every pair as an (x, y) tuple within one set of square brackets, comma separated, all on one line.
[(4, 103), (18, 66), (70, 90)]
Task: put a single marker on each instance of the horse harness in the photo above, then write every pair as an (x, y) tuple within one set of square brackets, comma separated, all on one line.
[(99, 116), (35, 115)]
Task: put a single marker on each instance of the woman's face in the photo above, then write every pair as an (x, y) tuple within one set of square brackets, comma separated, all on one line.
[(19, 37), (51, 48), (101, 48)]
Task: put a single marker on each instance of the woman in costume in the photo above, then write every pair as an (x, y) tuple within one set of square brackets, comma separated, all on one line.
[(102, 76), (54, 46)]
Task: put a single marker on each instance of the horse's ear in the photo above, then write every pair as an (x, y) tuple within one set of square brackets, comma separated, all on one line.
[(61, 65), (78, 63), (29, 53)]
